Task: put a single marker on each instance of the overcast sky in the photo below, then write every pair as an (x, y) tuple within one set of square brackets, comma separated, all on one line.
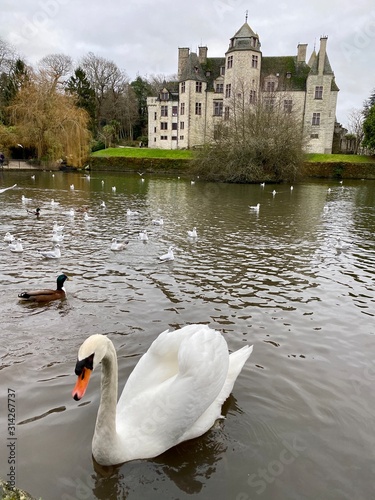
[(142, 37)]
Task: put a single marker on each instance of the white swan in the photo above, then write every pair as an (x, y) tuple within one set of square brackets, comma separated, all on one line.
[(87, 217), (174, 393), (168, 256), (57, 237), (52, 254), (131, 212), (24, 199)]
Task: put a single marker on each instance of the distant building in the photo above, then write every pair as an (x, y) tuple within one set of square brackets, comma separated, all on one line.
[(186, 113)]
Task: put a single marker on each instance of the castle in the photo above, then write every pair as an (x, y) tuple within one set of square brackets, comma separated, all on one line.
[(188, 112)]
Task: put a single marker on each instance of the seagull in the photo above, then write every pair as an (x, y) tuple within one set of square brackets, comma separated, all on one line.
[(102, 204), (57, 237), (262, 184), (25, 200), (16, 246), (143, 236), (274, 192), (102, 183), (131, 212), (52, 254), (158, 222), (140, 173), (255, 207), (33, 177), (116, 246), (72, 187), (328, 190), (54, 203), (291, 188), (168, 256), (70, 213), (342, 245), (56, 228), (87, 217), (193, 233), (6, 189), (192, 183), (9, 237), (114, 189)]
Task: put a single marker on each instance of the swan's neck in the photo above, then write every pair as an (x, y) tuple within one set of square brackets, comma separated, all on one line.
[(105, 436)]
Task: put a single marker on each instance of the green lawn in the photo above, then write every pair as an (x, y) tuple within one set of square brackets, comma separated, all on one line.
[(322, 158), (174, 154)]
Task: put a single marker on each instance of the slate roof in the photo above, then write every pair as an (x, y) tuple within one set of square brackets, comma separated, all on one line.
[(285, 66)]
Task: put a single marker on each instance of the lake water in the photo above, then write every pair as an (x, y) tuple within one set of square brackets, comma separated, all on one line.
[(299, 423)]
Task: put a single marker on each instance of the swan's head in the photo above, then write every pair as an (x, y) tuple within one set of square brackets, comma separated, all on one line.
[(90, 354)]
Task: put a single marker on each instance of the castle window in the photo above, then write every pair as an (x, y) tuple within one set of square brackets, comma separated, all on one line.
[(230, 62), (226, 113), (154, 130), (155, 116), (164, 96), (174, 110), (270, 87), (218, 108), (181, 137), (198, 108), (174, 137), (182, 108), (222, 70), (219, 89), (314, 136), (163, 137), (315, 119), (288, 105), (252, 97), (269, 103), (198, 87), (163, 126), (182, 87), (319, 92), (254, 61), (164, 110), (182, 125), (174, 126), (228, 90)]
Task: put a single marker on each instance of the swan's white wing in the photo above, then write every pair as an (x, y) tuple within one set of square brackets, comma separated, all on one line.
[(173, 384)]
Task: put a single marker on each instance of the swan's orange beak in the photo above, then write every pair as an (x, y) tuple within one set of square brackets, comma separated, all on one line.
[(81, 384)]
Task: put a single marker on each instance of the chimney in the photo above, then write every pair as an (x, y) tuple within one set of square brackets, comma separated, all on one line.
[(301, 52), (322, 54), (202, 58), (183, 55)]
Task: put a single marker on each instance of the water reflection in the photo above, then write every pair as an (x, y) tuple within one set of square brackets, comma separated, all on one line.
[(274, 278)]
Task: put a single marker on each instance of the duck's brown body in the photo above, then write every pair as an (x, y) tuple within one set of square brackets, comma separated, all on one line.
[(46, 294)]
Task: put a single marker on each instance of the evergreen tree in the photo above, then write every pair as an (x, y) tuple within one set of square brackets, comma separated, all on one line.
[(369, 129), (79, 86)]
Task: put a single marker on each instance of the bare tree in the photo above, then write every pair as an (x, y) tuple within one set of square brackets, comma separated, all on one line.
[(355, 127), (54, 67)]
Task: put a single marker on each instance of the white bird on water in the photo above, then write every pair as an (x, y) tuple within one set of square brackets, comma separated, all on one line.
[(186, 375), (193, 233), (9, 237), (57, 238), (51, 254), (54, 203), (158, 222), (342, 245), (87, 217), (262, 184), (131, 212), (56, 228), (6, 189), (167, 256), (143, 236), (24, 199), (117, 246), (72, 187), (114, 189), (255, 208), (102, 204), (16, 246)]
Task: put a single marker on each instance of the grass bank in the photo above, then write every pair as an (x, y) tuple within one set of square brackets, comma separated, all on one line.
[(170, 154), (322, 158)]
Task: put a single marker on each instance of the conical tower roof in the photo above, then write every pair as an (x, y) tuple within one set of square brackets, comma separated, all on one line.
[(244, 39)]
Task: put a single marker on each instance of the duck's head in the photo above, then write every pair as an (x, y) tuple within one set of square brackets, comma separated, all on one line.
[(61, 280), (90, 354)]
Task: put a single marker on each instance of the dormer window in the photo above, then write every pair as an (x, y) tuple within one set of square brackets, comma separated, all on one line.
[(164, 96)]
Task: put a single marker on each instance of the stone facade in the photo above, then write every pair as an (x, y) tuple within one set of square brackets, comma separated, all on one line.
[(187, 113)]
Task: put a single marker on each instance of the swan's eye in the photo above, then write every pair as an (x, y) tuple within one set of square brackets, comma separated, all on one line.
[(84, 363)]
